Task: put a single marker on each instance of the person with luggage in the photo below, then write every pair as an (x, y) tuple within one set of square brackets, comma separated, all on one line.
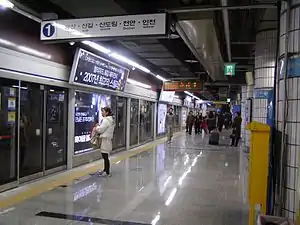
[(190, 122), (197, 123), (211, 122), (221, 120), (236, 132)]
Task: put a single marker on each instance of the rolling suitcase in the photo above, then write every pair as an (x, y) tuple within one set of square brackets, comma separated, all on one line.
[(214, 138)]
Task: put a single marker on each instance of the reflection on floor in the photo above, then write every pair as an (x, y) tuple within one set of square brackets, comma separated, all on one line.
[(186, 182)]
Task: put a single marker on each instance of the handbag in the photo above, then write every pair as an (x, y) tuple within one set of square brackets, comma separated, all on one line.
[(95, 139)]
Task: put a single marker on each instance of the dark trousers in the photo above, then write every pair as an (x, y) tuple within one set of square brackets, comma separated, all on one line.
[(220, 127), (106, 163), (197, 128), (190, 129), (235, 141)]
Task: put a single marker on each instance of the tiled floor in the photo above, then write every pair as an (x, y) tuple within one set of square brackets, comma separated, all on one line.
[(186, 182)]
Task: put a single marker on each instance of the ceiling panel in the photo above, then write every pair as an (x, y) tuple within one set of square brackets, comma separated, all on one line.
[(164, 61), (90, 8)]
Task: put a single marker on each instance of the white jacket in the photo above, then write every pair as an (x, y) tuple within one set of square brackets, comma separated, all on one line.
[(106, 131)]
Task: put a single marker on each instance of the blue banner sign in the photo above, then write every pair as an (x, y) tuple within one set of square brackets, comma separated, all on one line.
[(294, 67), (262, 94)]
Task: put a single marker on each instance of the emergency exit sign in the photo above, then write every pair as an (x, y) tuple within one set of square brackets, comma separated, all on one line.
[(229, 69)]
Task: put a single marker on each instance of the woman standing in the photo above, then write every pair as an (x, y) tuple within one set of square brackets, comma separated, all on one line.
[(106, 132)]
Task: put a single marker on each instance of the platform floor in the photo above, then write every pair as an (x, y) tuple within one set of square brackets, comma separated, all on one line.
[(187, 182)]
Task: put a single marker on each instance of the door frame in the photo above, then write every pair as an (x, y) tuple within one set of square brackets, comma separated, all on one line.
[(44, 89)]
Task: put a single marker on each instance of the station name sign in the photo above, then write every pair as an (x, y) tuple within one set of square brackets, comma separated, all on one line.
[(105, 27), (184, 85), (92, 70)]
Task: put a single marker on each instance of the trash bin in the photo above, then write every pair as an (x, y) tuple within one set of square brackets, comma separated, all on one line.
[(274, 220)]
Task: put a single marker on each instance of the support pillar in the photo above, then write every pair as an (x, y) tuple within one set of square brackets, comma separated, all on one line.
[(288, 107), (265, 58)]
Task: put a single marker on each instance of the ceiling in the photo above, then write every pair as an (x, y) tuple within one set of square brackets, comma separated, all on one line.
[(168, 56)]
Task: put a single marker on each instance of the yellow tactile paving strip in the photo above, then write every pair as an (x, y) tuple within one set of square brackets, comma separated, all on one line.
[(47, 185)]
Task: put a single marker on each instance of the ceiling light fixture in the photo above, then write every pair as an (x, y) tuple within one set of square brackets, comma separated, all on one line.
[(25, 49), (121, 58), (161, 78), (131, 81), (96, 47), (34, 52), (7, 43), (191, 61), (6, 4), (129, 62), (190, 94)]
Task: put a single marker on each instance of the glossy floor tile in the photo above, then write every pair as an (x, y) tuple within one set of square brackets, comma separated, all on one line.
[(185, 182)]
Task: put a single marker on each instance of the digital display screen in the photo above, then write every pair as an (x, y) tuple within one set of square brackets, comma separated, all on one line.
[(185, 85), (161, 118), (93, 70)]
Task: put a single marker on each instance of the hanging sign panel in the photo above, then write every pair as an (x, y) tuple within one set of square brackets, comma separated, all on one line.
[(229, 69), (183, 85), (103, 27), (93, 70)]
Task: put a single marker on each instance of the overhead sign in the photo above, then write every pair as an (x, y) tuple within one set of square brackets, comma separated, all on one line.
[(185, 85), (229, 69), (93, 70), (103, 27)]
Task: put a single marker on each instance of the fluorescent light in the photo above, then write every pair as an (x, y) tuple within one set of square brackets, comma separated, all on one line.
[(34, 52), (6, 4), (5, 42), (138, 83), (129, 62), (96, 46), (161, 78), (190, 94)]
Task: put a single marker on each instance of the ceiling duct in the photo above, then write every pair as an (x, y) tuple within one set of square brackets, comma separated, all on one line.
[(201, 38)]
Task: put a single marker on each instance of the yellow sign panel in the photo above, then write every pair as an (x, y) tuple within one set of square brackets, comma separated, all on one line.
[(11, 117)]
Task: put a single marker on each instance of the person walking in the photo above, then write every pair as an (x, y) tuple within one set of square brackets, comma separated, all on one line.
[(190, 122), (170, 124), (197, 123), (105, 131), (236, 132)]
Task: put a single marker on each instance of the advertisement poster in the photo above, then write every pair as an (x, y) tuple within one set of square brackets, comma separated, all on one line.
[(11, 117), (161, 118), (183, 116), (11, 104), (85, 113)]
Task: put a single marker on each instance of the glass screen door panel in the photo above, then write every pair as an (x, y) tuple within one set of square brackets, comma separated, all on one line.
[(119, 140), (31, 129), (56, 127), (134, 121), (8, 130)]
